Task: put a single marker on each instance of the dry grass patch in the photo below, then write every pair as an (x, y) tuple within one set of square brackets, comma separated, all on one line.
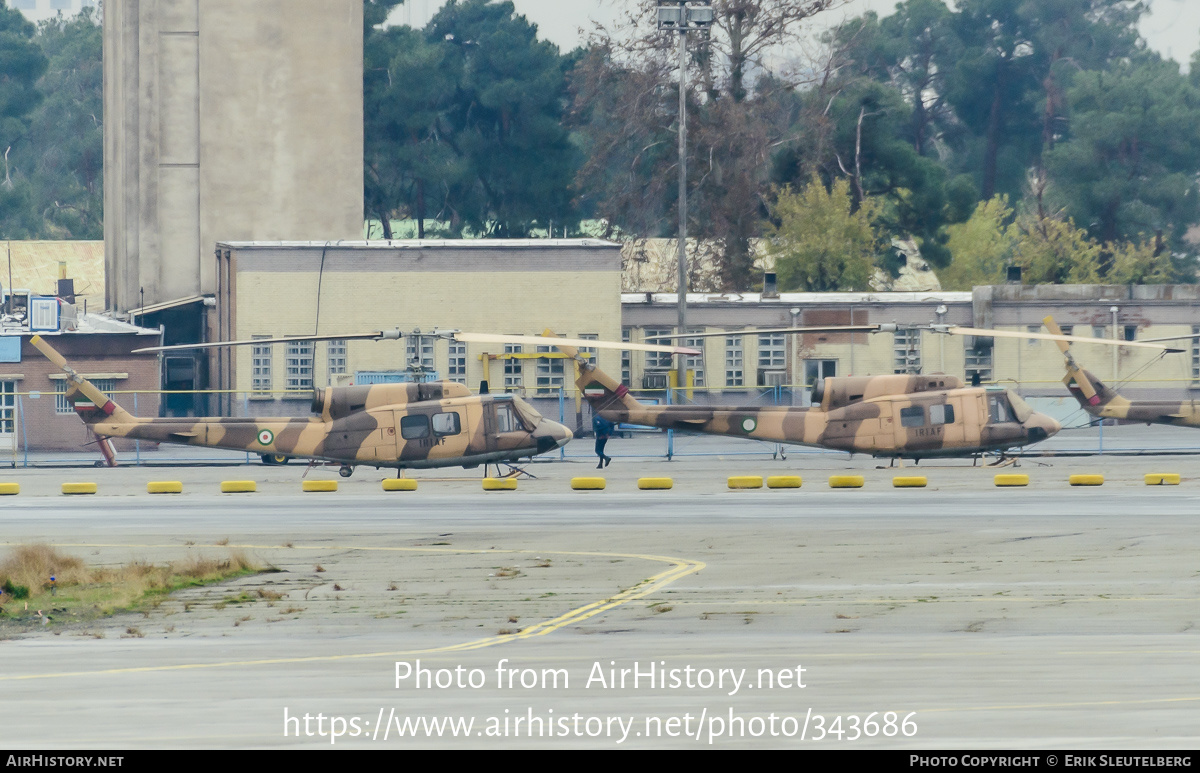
[(80, 591)]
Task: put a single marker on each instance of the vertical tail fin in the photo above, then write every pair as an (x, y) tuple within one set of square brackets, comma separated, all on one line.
[(1080, 377), (92, 405)]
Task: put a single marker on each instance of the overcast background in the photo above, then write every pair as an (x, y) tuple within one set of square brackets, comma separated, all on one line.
[(1172, 27)]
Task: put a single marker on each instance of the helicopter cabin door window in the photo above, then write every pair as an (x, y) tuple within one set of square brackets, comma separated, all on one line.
[(941, 414), (999, 411), (506, 419), (912, 416), (446, 424), (414, 427)]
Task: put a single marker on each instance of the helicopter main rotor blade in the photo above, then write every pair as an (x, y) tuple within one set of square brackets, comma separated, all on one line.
[(379, 335), (880, 328), (494, 338), (990, 333)]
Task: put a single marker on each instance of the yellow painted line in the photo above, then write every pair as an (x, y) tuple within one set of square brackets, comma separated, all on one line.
[(679, 568)]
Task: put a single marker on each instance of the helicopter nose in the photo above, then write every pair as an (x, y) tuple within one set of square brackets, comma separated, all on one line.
[(1040, 426), (551, 435)]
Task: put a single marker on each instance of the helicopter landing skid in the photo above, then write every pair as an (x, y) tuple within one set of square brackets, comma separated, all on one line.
[(513, 471)]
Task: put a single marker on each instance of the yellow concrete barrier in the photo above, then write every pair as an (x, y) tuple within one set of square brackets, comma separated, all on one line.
[(1086, 480), (1012, 479), (916, 481), (745, 481), (399, 484), (587, 484), (79, 488), (846, 481), (655, 484), (499, 484), (164, 487), (1154, 479), (238, 486), (784, 481), (319, 485), (8, 489)]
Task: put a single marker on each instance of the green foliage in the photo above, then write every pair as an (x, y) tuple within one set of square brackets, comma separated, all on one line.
[(1130, 163), (16, 592), (463, 123), (822, 243), (981, 248)]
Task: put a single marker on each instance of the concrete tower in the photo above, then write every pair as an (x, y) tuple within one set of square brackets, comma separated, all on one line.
[(225, 120)]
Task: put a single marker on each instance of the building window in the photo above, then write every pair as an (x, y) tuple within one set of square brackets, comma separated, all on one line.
[(261, 355), (734, 373), (1033, 329), (299, 364), (419, 351), (335, 354), (8, 391), (815, 370), (61, 406), (514, 370), (549, 372), (658, 360), (626, 359), (457, 370), (906, 351), (1196, 353), (978, 359), (1098, 331), (772, 351), (695, 362), (1131, 332)]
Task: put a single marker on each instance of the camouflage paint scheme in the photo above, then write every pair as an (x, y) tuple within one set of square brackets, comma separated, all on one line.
[(1104, 402), (438, 424), (860, 414)]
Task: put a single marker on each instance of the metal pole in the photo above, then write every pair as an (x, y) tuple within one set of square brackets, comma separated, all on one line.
[(681, 370)]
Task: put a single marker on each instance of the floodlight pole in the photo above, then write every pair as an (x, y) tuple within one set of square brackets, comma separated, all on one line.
[(683, 20)]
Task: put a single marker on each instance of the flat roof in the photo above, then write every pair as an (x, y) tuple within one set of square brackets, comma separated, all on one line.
[(932, 296)]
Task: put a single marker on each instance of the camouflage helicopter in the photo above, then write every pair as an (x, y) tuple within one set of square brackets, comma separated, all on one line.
[(413, 425), (893, 416), (1103, 402)]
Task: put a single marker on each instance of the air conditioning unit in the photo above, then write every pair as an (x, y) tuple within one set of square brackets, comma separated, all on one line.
[(43, 314), (655, 380), (772, 378)]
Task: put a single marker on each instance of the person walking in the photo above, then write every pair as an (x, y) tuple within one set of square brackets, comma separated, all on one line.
[(603, 429)]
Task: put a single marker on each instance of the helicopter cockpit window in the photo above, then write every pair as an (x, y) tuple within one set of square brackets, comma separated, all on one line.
[(912, 416), (941, 414), (414, 427), (529, 416), (999, 411), (506, 419), (1020, 407), (446, 423)]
